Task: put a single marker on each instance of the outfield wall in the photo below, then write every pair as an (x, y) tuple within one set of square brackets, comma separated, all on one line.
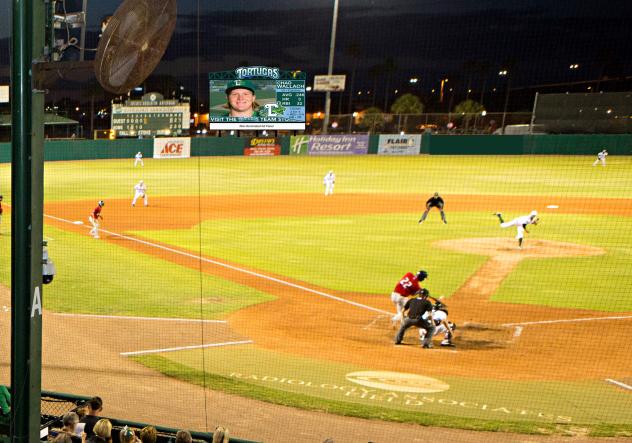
[(620, 144)]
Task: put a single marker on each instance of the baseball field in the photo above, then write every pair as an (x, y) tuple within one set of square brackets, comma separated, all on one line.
[(242, 277)]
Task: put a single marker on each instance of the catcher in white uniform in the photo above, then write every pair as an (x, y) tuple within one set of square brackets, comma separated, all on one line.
[(520, 223), (140, 191), (442, 325)]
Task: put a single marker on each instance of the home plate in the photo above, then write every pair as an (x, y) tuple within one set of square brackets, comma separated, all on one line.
[(552, 207), (77, 222)]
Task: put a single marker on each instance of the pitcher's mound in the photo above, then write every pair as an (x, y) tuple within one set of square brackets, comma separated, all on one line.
[(508, 246)]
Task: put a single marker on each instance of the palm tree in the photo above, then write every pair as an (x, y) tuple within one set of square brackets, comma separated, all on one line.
[(372, 119), (467, 109), (407, 104)]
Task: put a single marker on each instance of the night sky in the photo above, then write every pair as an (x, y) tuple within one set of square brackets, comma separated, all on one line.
[(389, 41)]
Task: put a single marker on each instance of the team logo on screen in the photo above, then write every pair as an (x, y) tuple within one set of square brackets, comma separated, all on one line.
[(257, 71)]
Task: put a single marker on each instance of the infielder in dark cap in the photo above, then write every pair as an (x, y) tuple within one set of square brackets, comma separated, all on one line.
[(434, 202), (241, 98)]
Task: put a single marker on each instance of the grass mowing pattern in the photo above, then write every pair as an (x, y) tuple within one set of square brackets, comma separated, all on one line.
[(98, 277), (319, 250), (237, 387)]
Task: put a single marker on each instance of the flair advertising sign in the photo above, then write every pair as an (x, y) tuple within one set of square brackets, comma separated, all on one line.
[(396, 144), (172, 147)]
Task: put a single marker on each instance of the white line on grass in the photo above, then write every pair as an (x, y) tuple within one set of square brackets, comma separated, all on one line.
[(570, 320), (184, 348), (234, 268), (620, 384), (125, 317)]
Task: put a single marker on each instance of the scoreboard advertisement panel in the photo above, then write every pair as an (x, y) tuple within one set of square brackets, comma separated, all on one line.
[(257, 97)]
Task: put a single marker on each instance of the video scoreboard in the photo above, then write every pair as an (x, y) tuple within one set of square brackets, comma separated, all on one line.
[(269, 99)]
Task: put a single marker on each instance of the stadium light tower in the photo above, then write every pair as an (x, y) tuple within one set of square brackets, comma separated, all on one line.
[(505, 73), (330, 68)]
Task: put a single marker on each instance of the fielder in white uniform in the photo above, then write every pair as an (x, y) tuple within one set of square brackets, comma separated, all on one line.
[(138, 158), (140, 191), (442, 325), (601, 157), (328, 181), (520, 223)]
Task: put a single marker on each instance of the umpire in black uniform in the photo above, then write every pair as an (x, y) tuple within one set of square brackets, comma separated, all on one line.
[(434, 202), (415, 309)]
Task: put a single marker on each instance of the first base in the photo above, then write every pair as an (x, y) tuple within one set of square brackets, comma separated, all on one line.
[(77, 222), (552, 207)]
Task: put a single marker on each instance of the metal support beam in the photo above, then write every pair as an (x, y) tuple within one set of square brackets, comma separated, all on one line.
[(27, 146), (330, 67)]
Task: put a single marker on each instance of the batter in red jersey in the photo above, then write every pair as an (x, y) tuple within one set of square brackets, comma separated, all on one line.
[(406, 286), (95, 218)]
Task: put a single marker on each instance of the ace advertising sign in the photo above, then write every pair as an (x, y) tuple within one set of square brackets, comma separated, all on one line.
[(172, 147)]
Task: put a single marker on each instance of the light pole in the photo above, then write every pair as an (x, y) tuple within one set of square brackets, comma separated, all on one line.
[(330, 68), (443, 82), (505, 73)]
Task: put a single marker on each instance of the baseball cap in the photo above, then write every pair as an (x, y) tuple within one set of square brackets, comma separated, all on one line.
[(240, 84)]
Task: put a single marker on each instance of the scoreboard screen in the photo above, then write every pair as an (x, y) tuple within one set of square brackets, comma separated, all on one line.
[(257, 97), (150, 118)]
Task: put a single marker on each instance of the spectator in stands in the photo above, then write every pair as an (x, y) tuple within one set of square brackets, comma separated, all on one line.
[(81, 412), (70, 421), (221, 435), (62, 437), (95, 406), (148, 435), (127, 435), (102, 432), (184, 437)]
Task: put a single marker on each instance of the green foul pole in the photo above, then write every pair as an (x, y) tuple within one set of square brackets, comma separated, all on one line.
[(27, 146)]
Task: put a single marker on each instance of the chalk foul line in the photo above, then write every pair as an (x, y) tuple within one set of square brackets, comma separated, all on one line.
[(184, 348), (234, 268), (126, 317), (620, 384), (569, 320)]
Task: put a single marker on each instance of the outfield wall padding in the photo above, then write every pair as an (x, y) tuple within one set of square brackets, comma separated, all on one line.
[(576, 144), (620, 144), (473, 144)]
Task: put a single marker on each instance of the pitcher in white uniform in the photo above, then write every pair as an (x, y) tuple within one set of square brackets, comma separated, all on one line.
[(140, 191), (520, 223)]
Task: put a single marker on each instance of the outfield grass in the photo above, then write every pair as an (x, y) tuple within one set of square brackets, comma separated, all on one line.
[(368, 253), (502, 175)]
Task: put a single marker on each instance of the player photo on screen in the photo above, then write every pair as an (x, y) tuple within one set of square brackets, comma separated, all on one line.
[(257, 98)]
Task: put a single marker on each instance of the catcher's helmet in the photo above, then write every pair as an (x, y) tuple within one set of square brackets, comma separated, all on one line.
[(101, 203), (422, 275), (423, 292), (438, 306)]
